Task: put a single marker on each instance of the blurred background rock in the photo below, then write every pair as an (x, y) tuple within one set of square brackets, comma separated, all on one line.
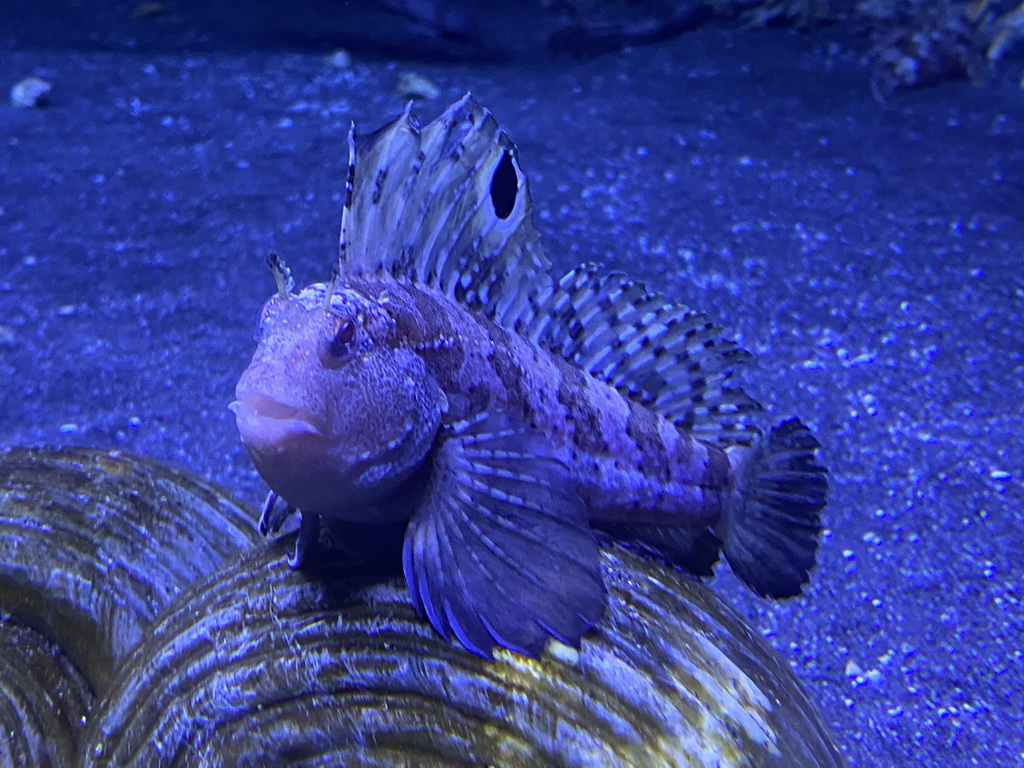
[(904, 43)]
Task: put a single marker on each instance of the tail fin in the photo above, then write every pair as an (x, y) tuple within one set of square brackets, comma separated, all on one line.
[(770, 538)]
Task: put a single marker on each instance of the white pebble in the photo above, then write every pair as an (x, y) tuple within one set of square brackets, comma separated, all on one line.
[(30, 92), (340, 59), (413, 86), (564, 653)]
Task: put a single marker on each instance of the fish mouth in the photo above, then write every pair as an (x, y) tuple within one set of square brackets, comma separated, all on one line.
[(268, 424)]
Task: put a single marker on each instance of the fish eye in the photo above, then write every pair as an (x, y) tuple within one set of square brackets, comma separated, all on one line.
[(344, 332)]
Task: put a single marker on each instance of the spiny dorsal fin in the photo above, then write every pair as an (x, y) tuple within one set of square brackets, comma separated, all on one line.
[(668, 357), (446, 205)]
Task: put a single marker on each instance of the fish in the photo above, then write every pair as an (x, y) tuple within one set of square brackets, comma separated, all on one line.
[(444, 382)]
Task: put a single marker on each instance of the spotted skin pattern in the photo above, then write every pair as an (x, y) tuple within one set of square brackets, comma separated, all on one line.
[(444, 381)]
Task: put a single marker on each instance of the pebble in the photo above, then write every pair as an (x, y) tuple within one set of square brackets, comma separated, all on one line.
[(31, 92), (564, 653), (413, 86), (340, 59), (149, 10)]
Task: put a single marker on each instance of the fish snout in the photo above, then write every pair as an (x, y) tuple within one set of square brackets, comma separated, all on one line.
[(267, 424)]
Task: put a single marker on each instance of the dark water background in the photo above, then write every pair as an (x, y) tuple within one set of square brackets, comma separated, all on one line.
[(871, 254)]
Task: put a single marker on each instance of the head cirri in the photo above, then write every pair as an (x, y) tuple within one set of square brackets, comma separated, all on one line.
[(334, 411)]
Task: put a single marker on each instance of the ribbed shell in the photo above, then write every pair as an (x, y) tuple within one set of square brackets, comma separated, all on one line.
[(95, 544), (263, 665), (255, 664), (44, 700)]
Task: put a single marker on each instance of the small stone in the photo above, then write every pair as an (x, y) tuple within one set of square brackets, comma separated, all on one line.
[(68, 429), (149, 10), (31, 92), (340, 59), (413, 86), (1000, 475), (853, 669), (564, 653)]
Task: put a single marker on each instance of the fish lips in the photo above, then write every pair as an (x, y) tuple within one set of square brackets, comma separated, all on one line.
[(295, 456), (269, 426)]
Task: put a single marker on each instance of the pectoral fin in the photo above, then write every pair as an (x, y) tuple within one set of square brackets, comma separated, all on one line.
[(274, 516), (500, 551)]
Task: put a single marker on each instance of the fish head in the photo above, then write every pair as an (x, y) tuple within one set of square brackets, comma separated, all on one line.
[(333, 410)]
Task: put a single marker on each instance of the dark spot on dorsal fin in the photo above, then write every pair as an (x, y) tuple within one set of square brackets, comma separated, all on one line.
[(504, 187), (378, 186), (350, 180), (282, 275)]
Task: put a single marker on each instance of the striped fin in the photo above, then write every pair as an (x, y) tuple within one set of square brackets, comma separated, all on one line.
[(500, 552), (668, 357), (447, 205), (771, 538)]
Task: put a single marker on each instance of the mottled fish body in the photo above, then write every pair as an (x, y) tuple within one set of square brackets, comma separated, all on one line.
[(446, 379), (629, 464)]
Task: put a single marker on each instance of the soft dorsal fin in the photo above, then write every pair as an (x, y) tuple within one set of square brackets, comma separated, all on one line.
[(668, 357), (446, 205)]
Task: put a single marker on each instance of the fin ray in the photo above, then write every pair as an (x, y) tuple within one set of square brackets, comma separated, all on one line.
[(501, 551), (446, 205), (770, 538), (668, 357)]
